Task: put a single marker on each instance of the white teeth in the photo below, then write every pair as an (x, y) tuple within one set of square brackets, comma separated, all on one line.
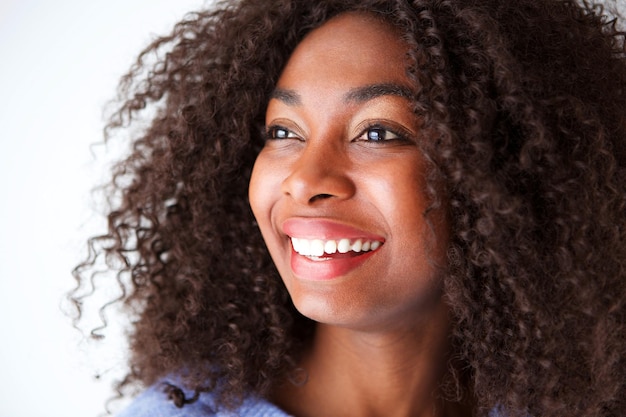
[(343, 246), (318, 247), (330, 247), (304, 245)]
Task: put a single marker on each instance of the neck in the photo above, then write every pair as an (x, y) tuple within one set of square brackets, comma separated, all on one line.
[(394, 373)]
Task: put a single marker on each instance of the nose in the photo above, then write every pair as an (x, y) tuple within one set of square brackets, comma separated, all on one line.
[(319, 173)]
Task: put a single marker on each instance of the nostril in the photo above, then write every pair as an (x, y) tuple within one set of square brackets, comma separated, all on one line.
[(313, 181), (319, 197)]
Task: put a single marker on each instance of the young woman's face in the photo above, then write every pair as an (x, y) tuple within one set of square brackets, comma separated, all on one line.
[(339, 188)]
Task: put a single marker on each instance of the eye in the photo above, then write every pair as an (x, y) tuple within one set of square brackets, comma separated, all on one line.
[(379, 133), (279, 132)]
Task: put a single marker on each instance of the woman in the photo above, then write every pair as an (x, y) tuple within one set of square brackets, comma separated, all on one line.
[(440, 188)]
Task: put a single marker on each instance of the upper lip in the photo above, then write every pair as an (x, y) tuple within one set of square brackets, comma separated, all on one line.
[(325, 229)]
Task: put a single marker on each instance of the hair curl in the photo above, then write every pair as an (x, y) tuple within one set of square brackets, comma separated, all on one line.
[(525, 103)]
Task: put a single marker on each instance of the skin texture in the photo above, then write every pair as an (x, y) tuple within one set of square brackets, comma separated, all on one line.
[(389, 310), (519, 116), (329, 170)]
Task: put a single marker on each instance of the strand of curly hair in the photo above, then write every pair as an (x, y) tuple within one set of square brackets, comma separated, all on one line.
[(523, 104)]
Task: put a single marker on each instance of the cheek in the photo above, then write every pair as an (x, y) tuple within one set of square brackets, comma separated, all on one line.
[(399, 189), (402, 197), (259, 190), (264, 192)]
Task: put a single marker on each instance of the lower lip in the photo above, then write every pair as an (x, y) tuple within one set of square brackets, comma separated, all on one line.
[(324, 270)]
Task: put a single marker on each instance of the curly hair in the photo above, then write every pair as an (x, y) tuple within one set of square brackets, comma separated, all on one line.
[(526, 102)]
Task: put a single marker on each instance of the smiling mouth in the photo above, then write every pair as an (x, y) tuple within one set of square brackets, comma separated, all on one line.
[(321, 250)]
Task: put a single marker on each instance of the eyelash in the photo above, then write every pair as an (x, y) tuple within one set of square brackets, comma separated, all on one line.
[(379, 128), (271, 133), (279, 132)]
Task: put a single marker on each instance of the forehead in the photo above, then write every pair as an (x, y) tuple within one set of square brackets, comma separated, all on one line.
[(350, 50)]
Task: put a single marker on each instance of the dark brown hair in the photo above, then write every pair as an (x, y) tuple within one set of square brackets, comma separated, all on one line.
[(525, 106)]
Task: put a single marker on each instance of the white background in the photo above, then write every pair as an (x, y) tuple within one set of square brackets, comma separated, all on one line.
[(59, 64)]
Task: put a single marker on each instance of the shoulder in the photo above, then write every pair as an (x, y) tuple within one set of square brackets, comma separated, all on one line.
[(154, 402)]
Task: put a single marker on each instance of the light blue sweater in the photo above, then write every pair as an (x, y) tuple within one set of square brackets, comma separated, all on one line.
[(154, 403)]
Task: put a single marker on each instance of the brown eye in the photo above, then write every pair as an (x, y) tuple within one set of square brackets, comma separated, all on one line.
[(278, 132), (378, 134)]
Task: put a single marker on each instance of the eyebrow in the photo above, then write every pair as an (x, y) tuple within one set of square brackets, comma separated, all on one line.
[(289, 97), (358, 95), (370, 92)]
